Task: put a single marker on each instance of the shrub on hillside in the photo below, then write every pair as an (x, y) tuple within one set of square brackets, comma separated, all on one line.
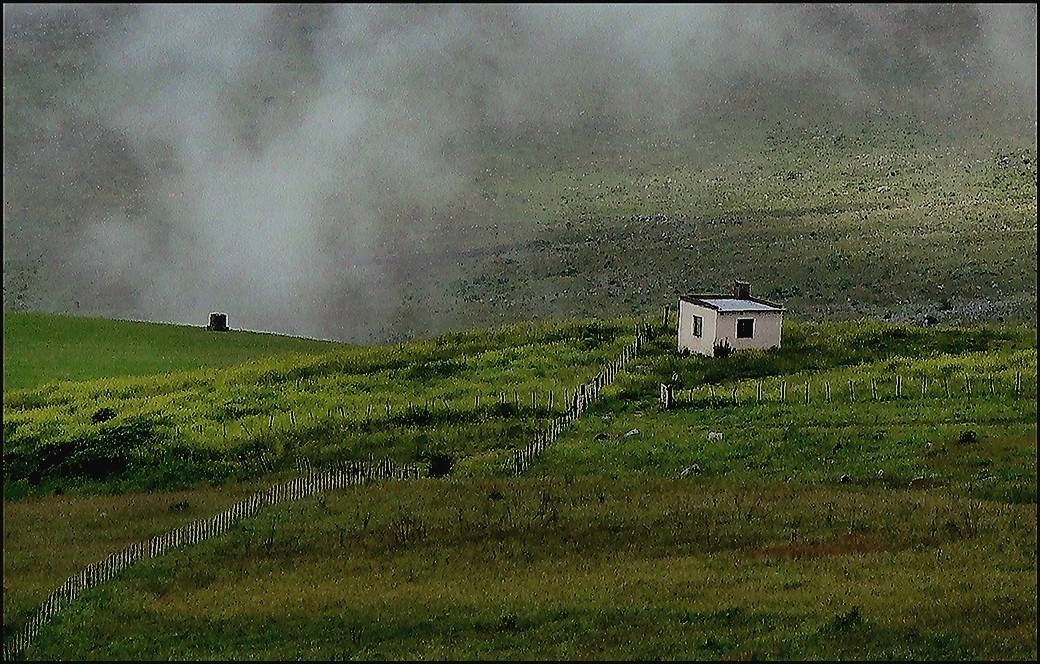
[(440, 464), (99, 453), (722, 348)]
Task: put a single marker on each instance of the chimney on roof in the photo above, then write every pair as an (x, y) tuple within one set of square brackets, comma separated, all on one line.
[(741, 289)]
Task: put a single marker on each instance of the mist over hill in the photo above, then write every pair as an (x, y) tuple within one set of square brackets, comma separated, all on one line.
[(327, 170)]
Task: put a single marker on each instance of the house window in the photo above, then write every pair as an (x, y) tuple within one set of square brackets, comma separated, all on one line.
[(745, 328), (698, 326)]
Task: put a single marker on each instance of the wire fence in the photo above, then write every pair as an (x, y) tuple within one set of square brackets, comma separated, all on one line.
[(852, 390)]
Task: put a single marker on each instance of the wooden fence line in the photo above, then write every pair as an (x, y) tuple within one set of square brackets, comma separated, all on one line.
[(584, 395), (308, 483), (314, 481)]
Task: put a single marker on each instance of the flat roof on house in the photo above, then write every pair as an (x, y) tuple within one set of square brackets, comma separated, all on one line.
[(730, 303)]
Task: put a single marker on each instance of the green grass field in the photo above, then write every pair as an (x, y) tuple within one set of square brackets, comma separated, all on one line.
[(42, 348), (604, 549), (596, 567)]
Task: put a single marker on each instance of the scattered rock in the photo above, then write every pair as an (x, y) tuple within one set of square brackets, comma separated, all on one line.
[(695, 469), (920, 482)]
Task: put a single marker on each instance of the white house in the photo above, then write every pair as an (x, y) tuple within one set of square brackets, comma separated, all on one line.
[(738, 320)]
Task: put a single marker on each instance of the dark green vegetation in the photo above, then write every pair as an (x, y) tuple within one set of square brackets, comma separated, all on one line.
[(606, 548)]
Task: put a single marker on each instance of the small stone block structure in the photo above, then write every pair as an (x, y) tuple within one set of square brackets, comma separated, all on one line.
[(717, 324), (217, 323)]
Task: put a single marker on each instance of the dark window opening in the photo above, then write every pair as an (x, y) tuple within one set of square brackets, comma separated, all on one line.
[(745, 328), (698, 326)]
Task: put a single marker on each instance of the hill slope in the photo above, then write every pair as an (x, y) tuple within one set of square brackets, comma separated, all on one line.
[(541, 162), (632, 535), (41, 348)]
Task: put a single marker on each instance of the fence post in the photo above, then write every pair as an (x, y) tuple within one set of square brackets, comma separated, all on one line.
[(666, 396)]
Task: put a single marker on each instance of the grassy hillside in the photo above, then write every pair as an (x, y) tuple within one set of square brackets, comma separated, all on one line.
[(819, 530), (41, 348), (882, 217), (851, 399), (473, 395), (592, 567), (495, 229)]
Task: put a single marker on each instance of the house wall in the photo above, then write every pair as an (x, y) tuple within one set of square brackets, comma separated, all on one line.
[(723, 325), (768, 327), (705, 344)]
